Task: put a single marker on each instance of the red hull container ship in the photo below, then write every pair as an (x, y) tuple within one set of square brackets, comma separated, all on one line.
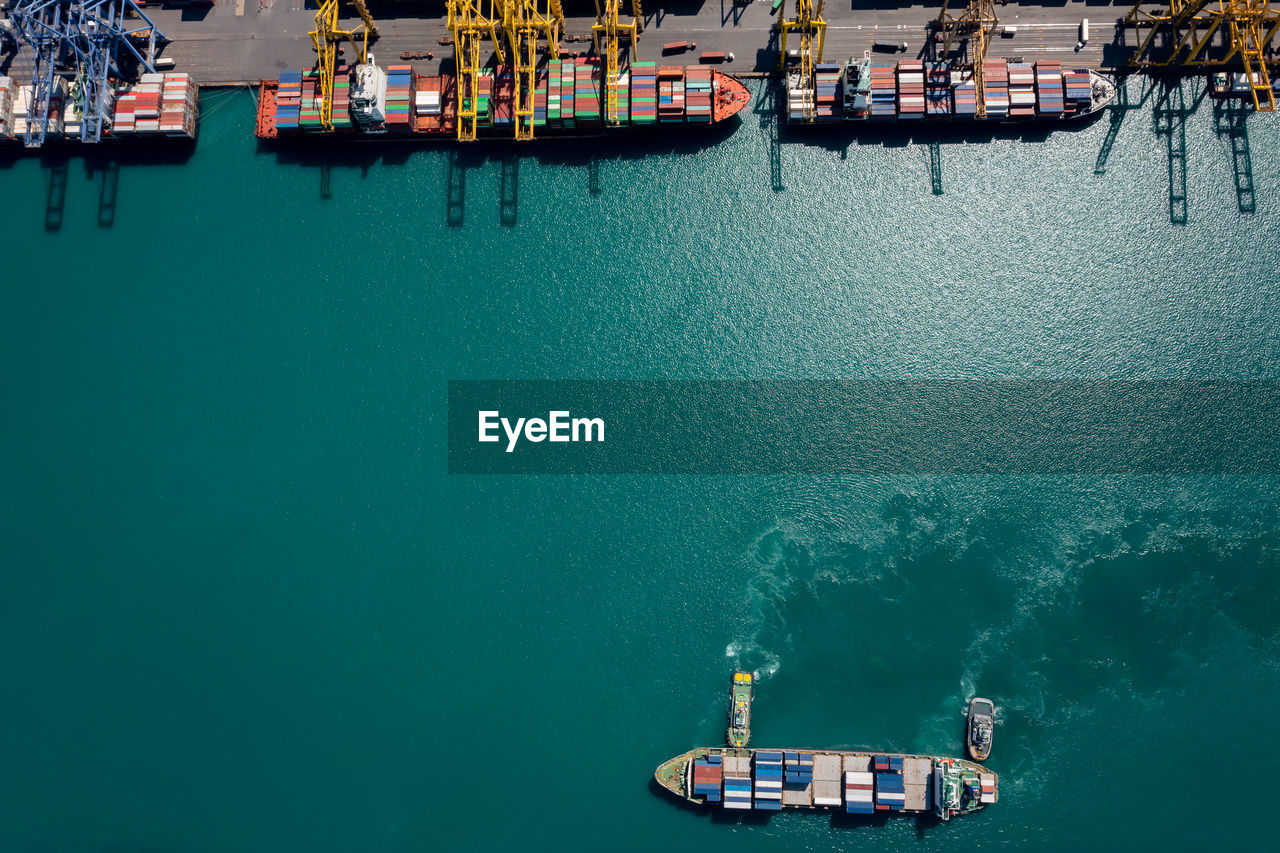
[(569, 101)]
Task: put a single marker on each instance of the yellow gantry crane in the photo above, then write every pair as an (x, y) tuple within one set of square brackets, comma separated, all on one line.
[(469, 22), (326, 37), (607, 24), (808, 22), (976, 23), (523, 21), (1189, 27)]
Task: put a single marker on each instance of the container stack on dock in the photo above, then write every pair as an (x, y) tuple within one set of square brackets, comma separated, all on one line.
[(911, 89), (159, 105), (341, 115), (1049, 87), (670, 94), (504, 100), (1022, 93), (1078, 88), (8, 88), (965, 91), (937, 92), (995, 87), (884, 93), (890, 790), (697, 83), (586, 92), (826, 78), (706, 778), (540, 98), (289, 101), (737, 782), (644, 93), (768, 781), (399, 97)]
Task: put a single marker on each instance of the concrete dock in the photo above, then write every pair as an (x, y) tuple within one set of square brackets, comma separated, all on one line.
[(238, 42)]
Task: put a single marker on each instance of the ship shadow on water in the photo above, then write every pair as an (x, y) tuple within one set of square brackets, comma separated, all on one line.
[(506, 158)]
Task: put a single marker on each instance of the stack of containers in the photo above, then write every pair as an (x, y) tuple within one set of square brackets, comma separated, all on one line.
[(7, 88), (586, 91), (826, 78), (426, 102), (965, 92), (399, 97), (540, 99), (1077, 87), (706, 778), (21, 98), (342, 98), (624, 97), (799, 101), (798, 769), (911, 89), (504, 94), (178, 105), (737, 782), (670, 94), (553, 93), (289, 101), (484, 100), (147, 102), (1049, 87), (884, 94), (568, 97), (768, 781), (891, 794), (858, 797), (995, 87), (697, 94), (310, 102), (987, 787), (644, 92), (1022, 93), (937, 92)]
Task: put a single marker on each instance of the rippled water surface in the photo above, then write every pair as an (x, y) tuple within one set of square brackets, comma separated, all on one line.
[(246, 609)]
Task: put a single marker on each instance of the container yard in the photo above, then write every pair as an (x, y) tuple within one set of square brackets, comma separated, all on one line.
[(529, 69)]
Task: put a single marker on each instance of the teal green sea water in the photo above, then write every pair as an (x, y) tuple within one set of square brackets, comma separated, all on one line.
[(245, 609)]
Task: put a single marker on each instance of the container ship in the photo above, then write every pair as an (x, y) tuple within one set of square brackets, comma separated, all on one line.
[(832, 780), (910, 91), (569, 101), (160, 106)]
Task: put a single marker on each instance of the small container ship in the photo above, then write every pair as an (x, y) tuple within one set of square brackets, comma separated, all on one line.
[(569, 101), (871, 91), (832, 780)]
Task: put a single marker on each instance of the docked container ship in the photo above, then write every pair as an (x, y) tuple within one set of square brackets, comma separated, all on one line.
[(872, 91), (160, 106), (832, 780), (569, 101)]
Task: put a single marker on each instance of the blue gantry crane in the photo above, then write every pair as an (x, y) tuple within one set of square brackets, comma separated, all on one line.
[(76, 47)]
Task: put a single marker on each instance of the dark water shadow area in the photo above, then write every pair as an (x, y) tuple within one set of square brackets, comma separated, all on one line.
[(587, 154), (103, 162)]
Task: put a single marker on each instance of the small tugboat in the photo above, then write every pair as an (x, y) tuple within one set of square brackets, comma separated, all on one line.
[(981, 728), (740, 694)]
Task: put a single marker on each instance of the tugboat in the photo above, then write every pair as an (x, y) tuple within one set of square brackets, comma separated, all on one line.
[(740, 693), (981, 728)]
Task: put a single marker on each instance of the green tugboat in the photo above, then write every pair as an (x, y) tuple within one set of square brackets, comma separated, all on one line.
[(740, 693)]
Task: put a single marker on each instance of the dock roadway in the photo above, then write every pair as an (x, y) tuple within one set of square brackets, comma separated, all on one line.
[(241, 41)]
